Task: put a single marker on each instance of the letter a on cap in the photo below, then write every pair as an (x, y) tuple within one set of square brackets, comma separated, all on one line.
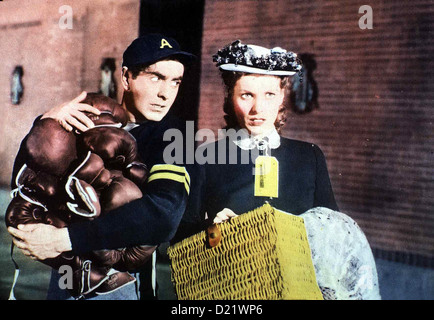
[(164, 43)]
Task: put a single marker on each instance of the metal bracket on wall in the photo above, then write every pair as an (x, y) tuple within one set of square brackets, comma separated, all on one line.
[(17, 88)]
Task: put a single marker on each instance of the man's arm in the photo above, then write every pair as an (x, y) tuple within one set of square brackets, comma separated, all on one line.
[(151, 220)]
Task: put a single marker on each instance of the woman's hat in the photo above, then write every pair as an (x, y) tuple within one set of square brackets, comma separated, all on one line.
[(255, 59)]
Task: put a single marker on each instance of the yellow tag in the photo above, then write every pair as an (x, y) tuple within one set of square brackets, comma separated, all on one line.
[(266, 177), (164, 43)]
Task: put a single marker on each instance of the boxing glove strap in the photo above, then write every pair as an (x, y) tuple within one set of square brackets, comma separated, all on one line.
[(19, 191), (88, 196), (83, 193)]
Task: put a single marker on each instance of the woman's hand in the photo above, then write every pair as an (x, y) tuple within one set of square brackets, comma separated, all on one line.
[(71, 114), (41, 241), (224, 215)]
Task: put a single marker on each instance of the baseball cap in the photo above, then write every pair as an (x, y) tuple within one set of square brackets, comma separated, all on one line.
[(154, 47)]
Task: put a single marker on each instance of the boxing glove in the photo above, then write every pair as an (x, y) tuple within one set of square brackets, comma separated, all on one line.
[(39, 185), (126, 259), (86, 277), (68, 173), (120, 192), (49, 148), (131, 259), (91, 170), (21, 211), (112, 113), (137, 172), (106, 257), (83, 199), (115, 146), (115, 281)]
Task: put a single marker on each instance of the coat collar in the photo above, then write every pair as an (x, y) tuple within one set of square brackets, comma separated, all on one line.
[(247, 142)]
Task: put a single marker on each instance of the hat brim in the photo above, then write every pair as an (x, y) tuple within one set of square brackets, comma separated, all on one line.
[(247, 69), (184, 57)]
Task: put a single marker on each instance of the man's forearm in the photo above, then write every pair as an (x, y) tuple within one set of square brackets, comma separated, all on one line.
[(41, 241), (63, 241)]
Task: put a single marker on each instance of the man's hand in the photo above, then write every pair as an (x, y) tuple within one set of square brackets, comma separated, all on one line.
[(41, 241), (224, 215), (71, 114)]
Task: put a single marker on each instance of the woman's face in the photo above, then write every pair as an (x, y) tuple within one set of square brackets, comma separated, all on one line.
[(257, 100)]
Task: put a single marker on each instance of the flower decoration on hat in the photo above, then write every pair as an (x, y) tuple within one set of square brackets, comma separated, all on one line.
[(255, 59)]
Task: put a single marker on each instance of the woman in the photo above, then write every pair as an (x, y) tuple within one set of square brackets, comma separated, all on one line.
[(257, 82), (254, 165)]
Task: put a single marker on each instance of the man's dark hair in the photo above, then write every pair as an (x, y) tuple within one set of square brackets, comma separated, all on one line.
[(135, 70)]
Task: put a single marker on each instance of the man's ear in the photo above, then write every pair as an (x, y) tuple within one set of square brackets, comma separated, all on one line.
[(125, 79)]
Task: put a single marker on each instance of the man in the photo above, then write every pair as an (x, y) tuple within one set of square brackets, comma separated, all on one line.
[(152, 71)]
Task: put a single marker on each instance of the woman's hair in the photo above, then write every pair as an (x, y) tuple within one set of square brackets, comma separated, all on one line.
[(230, 78)]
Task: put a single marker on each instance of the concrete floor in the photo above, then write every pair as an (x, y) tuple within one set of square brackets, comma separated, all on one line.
[(397, 281)]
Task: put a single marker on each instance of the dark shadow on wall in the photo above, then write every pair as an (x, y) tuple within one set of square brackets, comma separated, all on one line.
[(304, 92)]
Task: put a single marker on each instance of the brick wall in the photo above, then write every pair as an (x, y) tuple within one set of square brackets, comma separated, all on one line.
[(375, 116), (58, 63)]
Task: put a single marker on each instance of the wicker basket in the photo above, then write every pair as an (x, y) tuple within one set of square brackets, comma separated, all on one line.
[(263, 254)]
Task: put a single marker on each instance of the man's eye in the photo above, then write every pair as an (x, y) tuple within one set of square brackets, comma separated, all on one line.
[(155, 79), (246, 96), (176, 83), (270, 95)]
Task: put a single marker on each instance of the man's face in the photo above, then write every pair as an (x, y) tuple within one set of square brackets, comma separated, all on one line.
[(154, 90)]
